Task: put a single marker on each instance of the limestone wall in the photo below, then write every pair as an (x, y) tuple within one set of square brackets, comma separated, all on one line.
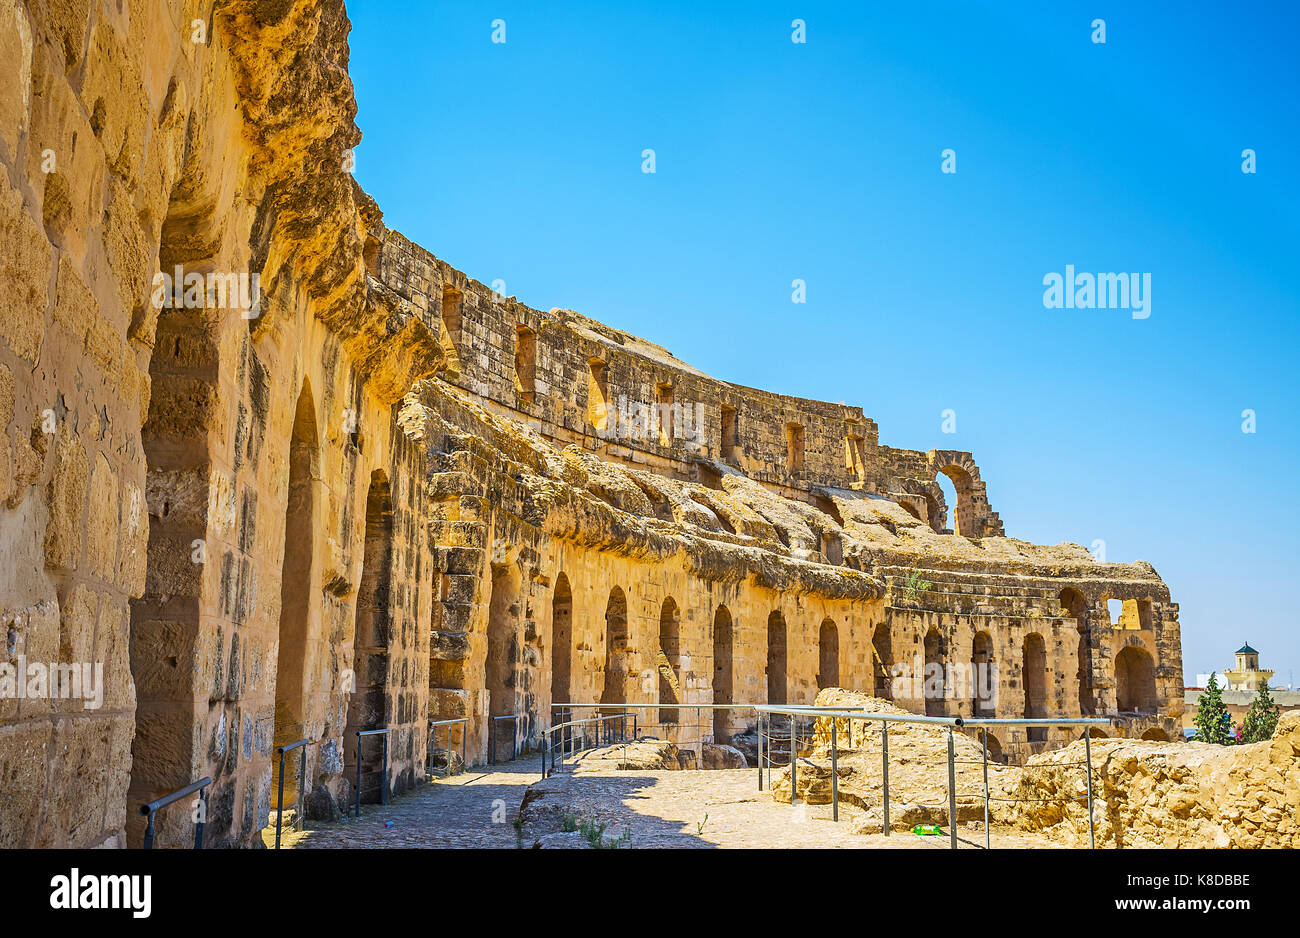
[(145, 461), (360, 503), (741, 426), (529, 527)]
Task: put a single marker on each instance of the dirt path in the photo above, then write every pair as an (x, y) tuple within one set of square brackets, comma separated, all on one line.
[(721, 808), (660, 808)]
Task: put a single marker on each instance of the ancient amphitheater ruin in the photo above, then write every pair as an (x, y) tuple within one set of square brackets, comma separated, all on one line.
[(386, 495)]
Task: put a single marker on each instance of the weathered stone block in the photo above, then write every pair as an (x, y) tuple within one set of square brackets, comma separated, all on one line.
[(25, 259), (449, 646)]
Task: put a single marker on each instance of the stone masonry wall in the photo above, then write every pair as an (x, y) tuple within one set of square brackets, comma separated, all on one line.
[(145, 458)]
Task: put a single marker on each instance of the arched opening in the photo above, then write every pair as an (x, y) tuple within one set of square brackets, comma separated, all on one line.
[(561, 646), (882, 663), (597, 395), (983, 676), (934, 677), (525, 363), (1156, 735), (615, 689), (794, 451), (503, 657), (776, 658), (956, 483), (730, 436), (723, 676), (828, 647), (368, 704), (664, 414), (668, 661), (949, 507), (1135, 681), (449, 331), (166, 636), (1075, 606), (936, 508), (1034, 677), (298, 611)]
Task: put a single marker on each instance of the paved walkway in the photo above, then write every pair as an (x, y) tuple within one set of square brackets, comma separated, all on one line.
[(477, 809), (719, 808)]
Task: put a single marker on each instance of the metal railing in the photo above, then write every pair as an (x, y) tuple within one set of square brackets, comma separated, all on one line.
[(795, 713), (383, 771), (152, 808), (302, 778), (570, 737), (683, 734), (513, 720), (433, 743)]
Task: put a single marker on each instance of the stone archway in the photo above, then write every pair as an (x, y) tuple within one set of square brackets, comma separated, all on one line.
[(561, 645), (828, 654), (723, 672), (777, 661), (882, 662), (668, 661), (369, 707), (616, 650), (1135, 681)]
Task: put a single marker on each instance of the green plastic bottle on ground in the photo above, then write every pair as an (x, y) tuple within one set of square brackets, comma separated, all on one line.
[(927, 830)]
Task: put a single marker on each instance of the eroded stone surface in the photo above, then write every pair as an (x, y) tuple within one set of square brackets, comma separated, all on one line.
[(389, 495)]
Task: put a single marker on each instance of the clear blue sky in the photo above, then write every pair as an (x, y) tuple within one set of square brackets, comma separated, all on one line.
[(821, 161)]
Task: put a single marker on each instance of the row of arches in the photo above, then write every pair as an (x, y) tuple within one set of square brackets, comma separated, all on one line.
[(1134, 675), (1134, 668), (669, 655), (158, 763)]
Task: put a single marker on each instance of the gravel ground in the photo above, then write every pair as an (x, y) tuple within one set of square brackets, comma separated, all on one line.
[(658, 808)]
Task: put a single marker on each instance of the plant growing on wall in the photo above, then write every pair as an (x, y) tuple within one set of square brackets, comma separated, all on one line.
[(914, 585), (1261, 718), (1213, 725)]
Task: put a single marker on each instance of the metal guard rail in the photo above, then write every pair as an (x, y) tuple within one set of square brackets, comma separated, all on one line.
[(383, 771), (602, 736), (835, 714), (150, 809), (302, 777), (433, 740)]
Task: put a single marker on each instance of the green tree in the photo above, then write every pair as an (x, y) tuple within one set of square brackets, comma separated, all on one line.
[(1261, 718), (1213, 725)]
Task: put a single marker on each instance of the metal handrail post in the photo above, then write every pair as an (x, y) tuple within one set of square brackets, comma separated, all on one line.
[(152, 807), (793, 768), (298, 822), (1087, 747), (884, 773), (464, 744), (383, 772), (358, 774), (835, 773), (279, 801), (759, 759), (202, 821), (952, 791), (984, 740)]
